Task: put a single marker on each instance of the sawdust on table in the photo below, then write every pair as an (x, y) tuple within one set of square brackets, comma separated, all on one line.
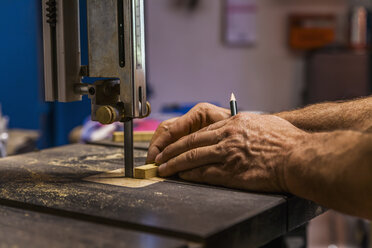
[(116, 178)]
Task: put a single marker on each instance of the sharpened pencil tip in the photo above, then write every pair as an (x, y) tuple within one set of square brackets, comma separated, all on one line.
[(232, 97)]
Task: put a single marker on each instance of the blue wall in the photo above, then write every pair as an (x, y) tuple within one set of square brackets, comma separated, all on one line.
[(20, 63), (21, 68)]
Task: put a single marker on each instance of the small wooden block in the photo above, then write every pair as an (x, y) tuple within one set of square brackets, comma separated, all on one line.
[(141, 136), (138, 136), (118, 137), (146, 171)]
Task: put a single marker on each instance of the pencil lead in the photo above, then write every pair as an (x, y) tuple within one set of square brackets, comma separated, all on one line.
[(232, 97)]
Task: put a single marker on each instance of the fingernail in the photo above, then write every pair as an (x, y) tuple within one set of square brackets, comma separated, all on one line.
[(162, 168), (158, 157)]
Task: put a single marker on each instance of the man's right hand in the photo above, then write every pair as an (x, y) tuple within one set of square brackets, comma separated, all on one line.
[(202, 115)]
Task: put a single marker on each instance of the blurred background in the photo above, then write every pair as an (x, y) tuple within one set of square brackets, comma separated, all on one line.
[(273, 54)]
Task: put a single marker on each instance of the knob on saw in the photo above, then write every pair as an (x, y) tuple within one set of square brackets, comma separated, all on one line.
[(107, 115)]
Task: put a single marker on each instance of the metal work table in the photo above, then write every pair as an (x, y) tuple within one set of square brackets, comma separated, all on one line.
[(25, 228), (47, 188)]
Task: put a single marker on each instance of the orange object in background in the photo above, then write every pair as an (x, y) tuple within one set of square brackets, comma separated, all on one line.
[(307, 32)]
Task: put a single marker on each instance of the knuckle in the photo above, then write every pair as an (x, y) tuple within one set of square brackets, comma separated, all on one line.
[(202, 106), (237, 139), (219, 148), (192, 155), (191, 140), (229, 131), (200, 112), (209, 127), (220, 135), (230, 150), (233, 156), (239, 117), (164, 126), (221, 151), (225, 152)]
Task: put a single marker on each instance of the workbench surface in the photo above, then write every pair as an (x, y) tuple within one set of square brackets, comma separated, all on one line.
[(25, 228), (50, 184)]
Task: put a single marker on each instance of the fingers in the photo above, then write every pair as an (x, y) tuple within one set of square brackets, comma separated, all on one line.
[(186, 143), (215, 126), (162, 128), (219, 174), (211, 174), (204, 137), (155, 145), (191, 159), (169, 131)]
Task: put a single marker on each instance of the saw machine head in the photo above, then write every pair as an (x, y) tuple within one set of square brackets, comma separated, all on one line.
[(116, 47)]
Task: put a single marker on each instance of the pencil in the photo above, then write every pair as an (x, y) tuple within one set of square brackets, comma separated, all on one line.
[(233, 105)]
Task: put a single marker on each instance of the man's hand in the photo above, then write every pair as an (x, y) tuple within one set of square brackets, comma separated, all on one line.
[(246, 151), (267, 153), (169, 131)]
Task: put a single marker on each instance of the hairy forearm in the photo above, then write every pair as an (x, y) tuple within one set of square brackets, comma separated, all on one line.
[(350, 115), (335, 170)]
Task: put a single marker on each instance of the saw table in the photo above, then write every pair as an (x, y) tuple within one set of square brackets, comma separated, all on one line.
[(48, 199)]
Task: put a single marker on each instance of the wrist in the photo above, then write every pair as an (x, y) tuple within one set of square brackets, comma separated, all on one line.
[(295, 167), (285, 161), (309, 160), (287, 115)]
